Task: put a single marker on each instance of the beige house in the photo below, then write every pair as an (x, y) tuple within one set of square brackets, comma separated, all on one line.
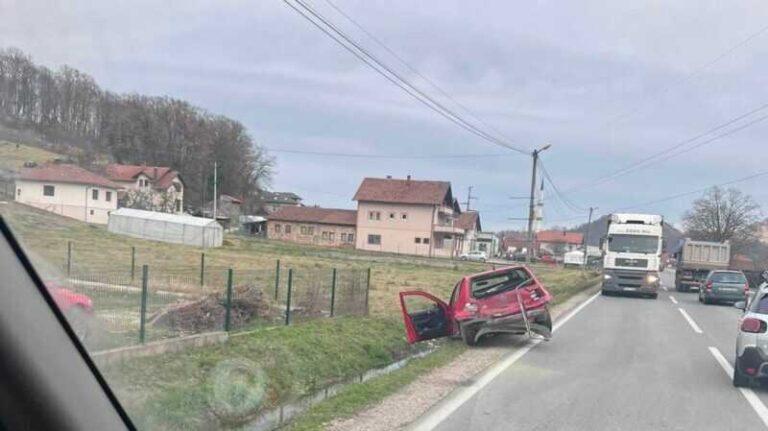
[(470, 222), (313, 225), (163, 185), (408, 216), (67, 190)]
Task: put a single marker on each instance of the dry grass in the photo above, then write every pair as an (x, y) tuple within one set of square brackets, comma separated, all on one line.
[(13, 158)]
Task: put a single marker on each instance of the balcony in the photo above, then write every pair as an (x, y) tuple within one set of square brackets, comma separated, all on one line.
[(448, 229)]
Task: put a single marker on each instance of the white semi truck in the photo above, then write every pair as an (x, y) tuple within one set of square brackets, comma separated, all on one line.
[(632, 251)]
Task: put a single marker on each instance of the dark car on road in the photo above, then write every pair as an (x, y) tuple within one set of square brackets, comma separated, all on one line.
[(724, 286), (505, 300)]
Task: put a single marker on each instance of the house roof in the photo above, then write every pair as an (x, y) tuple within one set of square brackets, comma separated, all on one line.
[(230, 198), (279, 197), (560, 236), (315, 215), (161, 176), (469, 220), (65, 173), (404, 191)]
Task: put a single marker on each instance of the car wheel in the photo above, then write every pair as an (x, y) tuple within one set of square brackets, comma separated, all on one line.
[(739, 380), (469, 335), (653, 295), (606, 293), (704, 300)]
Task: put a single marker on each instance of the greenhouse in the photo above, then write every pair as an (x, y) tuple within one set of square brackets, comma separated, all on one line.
[(173, 228)]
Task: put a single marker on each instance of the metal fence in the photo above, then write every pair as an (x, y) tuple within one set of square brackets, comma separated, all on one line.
[(132, 307)]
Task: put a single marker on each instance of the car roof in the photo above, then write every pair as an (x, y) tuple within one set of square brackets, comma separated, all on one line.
[(497, 271)]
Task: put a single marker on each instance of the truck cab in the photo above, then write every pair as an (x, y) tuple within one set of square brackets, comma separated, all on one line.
[(632, 251)]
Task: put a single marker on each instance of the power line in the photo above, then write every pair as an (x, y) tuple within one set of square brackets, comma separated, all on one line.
[(414, 70), (387, 156), (690, 75), (381, 68), (654, 158), (558, 194)]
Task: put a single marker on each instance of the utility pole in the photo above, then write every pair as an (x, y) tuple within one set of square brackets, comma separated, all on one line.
[(215, 186), (469, 196), (586, 238), (531, 215)]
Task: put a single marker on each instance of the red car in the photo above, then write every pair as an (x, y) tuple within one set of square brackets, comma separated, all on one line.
[(505, 300), (78, 308)]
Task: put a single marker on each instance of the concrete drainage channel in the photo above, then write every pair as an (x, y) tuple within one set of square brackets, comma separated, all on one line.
[(276, 418)]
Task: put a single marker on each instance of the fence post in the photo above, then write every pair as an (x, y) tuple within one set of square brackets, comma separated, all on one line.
[(133, 262), (143, 313), (288, 299), (69, 258), (202, 269), (333, 291), (367, 290), (277, 278), (228, 311)]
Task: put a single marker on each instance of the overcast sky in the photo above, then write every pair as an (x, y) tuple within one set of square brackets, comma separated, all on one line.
[(606, 83)]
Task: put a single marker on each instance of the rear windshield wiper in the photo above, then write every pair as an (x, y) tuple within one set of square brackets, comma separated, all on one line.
[(500, 288)]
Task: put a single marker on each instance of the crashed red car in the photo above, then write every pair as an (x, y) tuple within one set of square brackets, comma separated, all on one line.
[(77, 307), (505, 300)]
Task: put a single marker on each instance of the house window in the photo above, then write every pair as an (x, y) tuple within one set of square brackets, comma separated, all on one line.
[(178, 205), (49, 190), (374, 239), (351, 237), (310, 230), (425, 241), (18, 192), (108, 197), (303, 230), (343, 237), (95, 194), (325, 236), (91, 212), (332, 236), (374, 215), (417, 240), (404, 216), (392, 216), (287, 228), (278, 228)]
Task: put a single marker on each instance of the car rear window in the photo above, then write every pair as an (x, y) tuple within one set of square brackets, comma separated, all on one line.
[(500, 282), (728, 277)]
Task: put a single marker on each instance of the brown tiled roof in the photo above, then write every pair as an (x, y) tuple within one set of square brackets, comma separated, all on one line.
[(315, 215), (404, 191), (468, 220), (559, 236), (161, 176), (65, 173)]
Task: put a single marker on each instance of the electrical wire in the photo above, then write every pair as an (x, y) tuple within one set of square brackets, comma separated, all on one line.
[(387, 156), (388, 73)]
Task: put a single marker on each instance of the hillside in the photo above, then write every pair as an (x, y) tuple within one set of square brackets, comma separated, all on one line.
[(599, 228), (13, 156)]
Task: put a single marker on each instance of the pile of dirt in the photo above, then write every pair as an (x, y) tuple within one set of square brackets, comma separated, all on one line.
[(208, 313)]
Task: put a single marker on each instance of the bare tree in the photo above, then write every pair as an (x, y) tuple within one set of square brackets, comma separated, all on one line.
[(723, 215)]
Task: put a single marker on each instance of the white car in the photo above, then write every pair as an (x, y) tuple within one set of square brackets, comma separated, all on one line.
[(751, 342), (477, 256)]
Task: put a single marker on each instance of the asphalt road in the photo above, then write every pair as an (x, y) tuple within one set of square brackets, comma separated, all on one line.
[(619, 363)]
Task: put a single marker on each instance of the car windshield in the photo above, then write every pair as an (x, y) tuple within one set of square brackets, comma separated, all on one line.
[(728, 277), (633, 244), (235, 203)]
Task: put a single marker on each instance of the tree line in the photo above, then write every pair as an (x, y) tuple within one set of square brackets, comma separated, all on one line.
[(68, 106)]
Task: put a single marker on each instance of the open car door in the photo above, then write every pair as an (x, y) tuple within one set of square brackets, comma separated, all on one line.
[(426, 316)]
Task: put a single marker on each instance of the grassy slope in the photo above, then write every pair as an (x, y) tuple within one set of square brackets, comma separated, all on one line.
[(14, 158), (173, 391)]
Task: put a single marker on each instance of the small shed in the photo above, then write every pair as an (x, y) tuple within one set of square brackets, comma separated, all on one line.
[(173, 228)]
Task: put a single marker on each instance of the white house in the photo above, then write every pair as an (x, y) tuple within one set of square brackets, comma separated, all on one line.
[(67, 190), (164, 183)]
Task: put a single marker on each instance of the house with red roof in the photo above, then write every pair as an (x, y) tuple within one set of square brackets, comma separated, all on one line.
[(408, 216), (558, 242), (313, 225), (161, 186), (68, 190)]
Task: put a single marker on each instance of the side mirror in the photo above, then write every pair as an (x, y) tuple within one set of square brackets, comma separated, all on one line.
[(741, 305)]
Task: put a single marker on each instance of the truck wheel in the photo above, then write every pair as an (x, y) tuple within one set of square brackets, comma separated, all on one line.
[(606, 293), (739, 380), (469, 335)]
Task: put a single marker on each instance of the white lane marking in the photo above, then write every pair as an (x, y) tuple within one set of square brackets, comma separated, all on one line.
[(463, 395), (672, 298), (665, 288), (693, 324), (749, 394)]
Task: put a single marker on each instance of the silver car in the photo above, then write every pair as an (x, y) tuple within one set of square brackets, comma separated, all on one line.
[(752, 340)]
